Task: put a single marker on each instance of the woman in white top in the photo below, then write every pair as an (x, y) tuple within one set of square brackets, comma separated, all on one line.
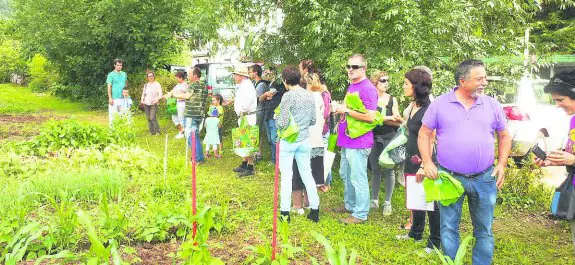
[(151, 94), (316, 143), (179, 92)]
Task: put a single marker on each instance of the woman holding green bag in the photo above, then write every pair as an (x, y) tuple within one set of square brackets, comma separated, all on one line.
[(382, 134), (298, 106)]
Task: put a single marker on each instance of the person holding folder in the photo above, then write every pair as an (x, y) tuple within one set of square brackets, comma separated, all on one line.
[(417, 85)]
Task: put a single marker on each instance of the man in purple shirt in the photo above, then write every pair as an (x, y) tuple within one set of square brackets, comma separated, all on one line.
[(465, 121), (354, 152)]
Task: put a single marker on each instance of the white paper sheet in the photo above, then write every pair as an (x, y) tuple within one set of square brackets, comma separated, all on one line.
[(328, 158), (415, 195)]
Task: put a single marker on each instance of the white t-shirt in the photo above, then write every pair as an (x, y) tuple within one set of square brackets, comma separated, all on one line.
[(246, 100)]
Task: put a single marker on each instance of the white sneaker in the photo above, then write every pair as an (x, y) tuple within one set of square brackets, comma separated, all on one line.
[(179, 136), (374, 204), (387, 208), (299, 211), (428, 250), (406, 237)]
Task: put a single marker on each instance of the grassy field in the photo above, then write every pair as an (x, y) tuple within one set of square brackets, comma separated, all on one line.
[(127, 198)]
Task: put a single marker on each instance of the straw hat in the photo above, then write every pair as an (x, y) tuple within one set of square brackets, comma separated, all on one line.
[(241, 70)]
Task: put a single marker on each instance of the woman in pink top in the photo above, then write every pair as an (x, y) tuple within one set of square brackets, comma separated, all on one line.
[(150, 96)]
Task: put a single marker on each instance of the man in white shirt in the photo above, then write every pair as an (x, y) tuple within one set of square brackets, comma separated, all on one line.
[(245, 104)]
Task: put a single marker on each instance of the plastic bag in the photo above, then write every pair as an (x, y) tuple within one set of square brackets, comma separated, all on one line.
[(394, 152), (245, 138), (171, 106), (291, 133), (357, 128), (446, 189)]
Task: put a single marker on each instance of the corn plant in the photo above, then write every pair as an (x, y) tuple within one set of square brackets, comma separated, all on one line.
[(262, 254), (99, 254), (114, 223), (196, 250), (446, 260), (334, 257)]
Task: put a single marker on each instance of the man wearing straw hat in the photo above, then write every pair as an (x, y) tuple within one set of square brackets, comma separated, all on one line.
[(245, 104)]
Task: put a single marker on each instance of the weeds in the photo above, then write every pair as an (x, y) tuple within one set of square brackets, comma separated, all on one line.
[(446, 260), (333, 256)]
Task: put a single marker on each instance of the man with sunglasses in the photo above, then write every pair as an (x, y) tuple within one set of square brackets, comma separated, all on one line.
[(354, 151)]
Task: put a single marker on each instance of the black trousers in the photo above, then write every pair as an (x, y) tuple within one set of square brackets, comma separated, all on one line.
[(418, 226)]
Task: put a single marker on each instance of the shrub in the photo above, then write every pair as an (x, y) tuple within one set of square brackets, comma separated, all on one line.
[(10, 60), (523, 187), (42, 77), (55, 135)]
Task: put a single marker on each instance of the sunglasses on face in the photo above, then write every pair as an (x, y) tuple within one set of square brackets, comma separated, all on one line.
[(383, 80), (150, 75), (353, 66)]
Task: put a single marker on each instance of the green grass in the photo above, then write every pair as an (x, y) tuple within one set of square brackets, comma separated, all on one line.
[(20, 100), (147, 200)]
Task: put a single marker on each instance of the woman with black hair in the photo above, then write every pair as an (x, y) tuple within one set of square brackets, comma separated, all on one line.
[(562, 90), (299, 104), (417, 85)]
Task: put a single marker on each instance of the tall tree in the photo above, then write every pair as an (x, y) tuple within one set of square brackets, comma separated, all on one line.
[(82, 38)]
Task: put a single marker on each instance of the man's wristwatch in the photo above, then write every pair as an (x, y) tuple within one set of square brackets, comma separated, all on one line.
[(346, 113)]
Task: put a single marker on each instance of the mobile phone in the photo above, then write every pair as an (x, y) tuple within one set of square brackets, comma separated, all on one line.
[(537, 151)]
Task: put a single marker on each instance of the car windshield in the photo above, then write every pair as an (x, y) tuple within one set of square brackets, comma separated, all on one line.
[(526, 92), (223, 76)]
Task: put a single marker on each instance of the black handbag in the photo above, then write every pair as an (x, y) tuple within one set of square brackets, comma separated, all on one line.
[(563, 202)]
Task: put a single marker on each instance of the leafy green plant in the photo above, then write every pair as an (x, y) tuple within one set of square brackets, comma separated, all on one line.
[(333, 256), (523, 187), (446, 260), (195, 250), (262, 254), (100, 254), (114, 223), (55, 135), (42, 77), (17, 247)]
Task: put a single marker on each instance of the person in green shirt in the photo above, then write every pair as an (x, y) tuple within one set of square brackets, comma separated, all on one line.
[(117, 81), (196, 107)]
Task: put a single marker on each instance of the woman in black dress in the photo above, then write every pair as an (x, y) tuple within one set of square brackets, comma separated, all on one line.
[(417, 85)]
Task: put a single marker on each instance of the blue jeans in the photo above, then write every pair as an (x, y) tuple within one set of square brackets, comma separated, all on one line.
[(271, 131), (481, 194), (301, 151), (190, 125), (353, 172)]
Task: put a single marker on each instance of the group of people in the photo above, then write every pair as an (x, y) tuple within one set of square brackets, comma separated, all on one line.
[(454, 133), (191, 112)]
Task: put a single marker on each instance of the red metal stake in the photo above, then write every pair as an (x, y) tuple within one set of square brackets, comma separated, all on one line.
[(194, 225), (275, 218)]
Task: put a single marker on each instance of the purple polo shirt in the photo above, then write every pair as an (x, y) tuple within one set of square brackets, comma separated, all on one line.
[(368, 95), (465, 138)]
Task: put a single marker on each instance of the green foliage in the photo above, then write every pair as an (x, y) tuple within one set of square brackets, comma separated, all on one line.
[(42, 77), (554, 26), (335, 257), (196, 249), (524, 188), (83, 38), (21, 100), (11, 61), (262, 254), (446, 260), (16, 248), (55, 135), (100, 254)]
